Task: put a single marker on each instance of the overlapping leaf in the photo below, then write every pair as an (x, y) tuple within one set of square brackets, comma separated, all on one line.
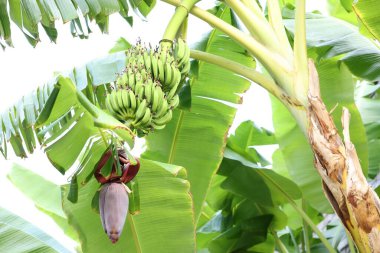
[(368, 14), (59, 121), (28, 15), (195, 139), (46, 197), (334, 37), (19, 235), (245, 197)]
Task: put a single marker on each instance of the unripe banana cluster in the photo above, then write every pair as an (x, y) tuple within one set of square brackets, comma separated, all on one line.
[(146, 91)]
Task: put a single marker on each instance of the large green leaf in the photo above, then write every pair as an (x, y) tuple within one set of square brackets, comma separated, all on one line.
[(246, 136), (195, 139), (337, 90), (368, 103), (45, 195), (165, 222), (252, 181), (55, 113), (334, 37), (368, 14), (246, 198), (28, 14), (18, 235)]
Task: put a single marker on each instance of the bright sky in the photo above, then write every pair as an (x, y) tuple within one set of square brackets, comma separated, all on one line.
[(23, 68)]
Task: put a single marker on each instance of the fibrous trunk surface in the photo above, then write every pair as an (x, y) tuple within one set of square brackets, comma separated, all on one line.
[(337, 162)]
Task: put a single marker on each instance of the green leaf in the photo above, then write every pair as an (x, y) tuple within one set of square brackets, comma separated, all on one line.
[(46, 197), (143, 7), (369, 108), (5, 26), (81, 130), (247, 184), (366, 10), (185, 97), (121, 45), (195, 139), (342, 9), (28, 14), (67, 10), (19, 235), (165, 223), (334, 37), (63, 113), (248, 135)]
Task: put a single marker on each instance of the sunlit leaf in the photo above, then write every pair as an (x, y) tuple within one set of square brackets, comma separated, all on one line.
[(19, 235), (366, 10), (195, 139), (334, 37)]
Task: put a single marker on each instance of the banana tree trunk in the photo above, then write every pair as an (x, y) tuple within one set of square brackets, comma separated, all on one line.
[(344, 184)]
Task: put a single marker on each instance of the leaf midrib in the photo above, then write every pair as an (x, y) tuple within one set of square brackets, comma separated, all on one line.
[(174, 141)]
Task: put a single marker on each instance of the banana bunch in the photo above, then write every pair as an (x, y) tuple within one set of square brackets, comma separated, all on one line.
[(146, 91)]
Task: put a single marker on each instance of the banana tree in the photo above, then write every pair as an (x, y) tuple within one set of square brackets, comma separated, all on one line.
[(150, 98)]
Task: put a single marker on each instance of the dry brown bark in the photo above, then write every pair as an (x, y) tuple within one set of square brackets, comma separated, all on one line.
[(337, 162)]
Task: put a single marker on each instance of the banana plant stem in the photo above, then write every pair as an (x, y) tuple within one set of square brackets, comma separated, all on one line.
[(301, 83), (275, 20), (273, 62), (281, 246), (258, 28), (181, 12), (249, 73), (305, 230), (254, 7)]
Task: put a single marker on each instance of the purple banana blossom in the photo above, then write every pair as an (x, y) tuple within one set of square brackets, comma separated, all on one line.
[(113, 207)]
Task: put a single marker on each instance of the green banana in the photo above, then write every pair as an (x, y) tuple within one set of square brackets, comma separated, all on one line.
[(180, 49), (145, 120), (125, 100), (132, 100), (164, 119), (147, 61), (108, 104), (131, 80), (141, 110), (174, 102), (157, 97), (186, 68), (138, 88), (168, 73), (122, 109), (155, 126), (176, 77), (148, 90), (154, 59), (161, 71), (172, 92), (114, 105), (162, 109)]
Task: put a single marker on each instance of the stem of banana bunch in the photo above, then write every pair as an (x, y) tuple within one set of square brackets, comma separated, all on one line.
[(180, 15)]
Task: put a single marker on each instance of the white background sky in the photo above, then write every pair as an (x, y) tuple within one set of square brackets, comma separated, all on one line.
[(23, 68)]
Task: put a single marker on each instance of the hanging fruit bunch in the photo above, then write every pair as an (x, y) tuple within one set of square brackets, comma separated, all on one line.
[(147, 91), (145, 95)]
